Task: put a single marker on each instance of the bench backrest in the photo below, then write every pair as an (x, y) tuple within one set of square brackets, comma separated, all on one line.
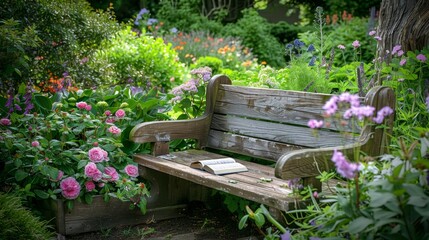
[(267, 123)]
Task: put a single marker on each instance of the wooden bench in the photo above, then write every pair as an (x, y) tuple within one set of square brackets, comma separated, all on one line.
[(266, 124)]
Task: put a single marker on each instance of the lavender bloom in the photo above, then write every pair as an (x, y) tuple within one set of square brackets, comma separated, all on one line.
[(27, 97), (421, 57), (396, 49), (310, 48), (10, 100), (356, 44), (205, 73), (135, 90), (331, 106), (151, 21), (294, 183), (298, 43), (364, 111), (143, 11), (312, 60), (382, 113), (174, 30), (286, 236), (344, 167), (402, 62), (313, 123)]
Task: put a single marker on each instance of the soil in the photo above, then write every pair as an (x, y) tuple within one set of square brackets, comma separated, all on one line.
[(198, 222)]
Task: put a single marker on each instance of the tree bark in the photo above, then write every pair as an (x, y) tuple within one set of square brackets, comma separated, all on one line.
[(404, 22)]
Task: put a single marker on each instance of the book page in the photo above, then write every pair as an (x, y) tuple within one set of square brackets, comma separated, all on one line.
[(225, 168), (202, 163)]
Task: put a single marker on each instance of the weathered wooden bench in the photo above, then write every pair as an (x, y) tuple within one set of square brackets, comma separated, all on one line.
[(260, 123)]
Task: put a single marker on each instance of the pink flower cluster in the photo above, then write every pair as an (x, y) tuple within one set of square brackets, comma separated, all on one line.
[(313, 123), (5, 122), (421, 57), (344, 167), (111, 173), (70, 188), (131, 170), (84, 105), (92, 171), (356, 44), (97, 154), (114, 130)]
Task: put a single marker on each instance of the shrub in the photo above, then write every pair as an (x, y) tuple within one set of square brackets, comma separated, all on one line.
[(254, 32), (79, 140), (18, 222), (145, 60), (69, 32)]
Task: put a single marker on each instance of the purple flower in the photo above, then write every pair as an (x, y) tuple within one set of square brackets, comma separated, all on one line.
[(396, 49), (353, 99), (356, 44), (378, 38), (421, 57), (382, 113), (151, 21), (363, 111), (310, 48), (289, 46), (286, 236), (372, 33), (342, 47), (5, 122), (312, 60), (402, 62), (143, 11), (173, 30), (294, 183), (298, 43), (331, 106), (344, 167), (313, 123)]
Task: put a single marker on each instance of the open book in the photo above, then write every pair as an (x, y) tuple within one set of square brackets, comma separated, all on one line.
[(219, 166)]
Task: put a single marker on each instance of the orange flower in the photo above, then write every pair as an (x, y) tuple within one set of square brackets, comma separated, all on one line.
[(264, 63), (197, 40)]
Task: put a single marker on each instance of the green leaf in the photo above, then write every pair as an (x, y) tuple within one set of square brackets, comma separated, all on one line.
[(43, 103), (414, 190), (418, 201), (88, 198), (82, 164), (242, 222), (41, 194), (259, 220), (109, 147), (380, 198), (359, 224), (20, 175)]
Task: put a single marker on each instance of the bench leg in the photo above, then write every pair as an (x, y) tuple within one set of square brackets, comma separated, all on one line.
[(170, 191)]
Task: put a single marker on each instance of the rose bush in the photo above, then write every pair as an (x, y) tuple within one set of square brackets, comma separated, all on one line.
[(77, 146)]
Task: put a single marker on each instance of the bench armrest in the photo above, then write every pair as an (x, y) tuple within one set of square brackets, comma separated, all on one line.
[(165, 131), (308, 163)]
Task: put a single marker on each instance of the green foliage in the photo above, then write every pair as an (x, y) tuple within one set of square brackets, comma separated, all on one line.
[(214, 63), (285, 32), (344, 33), (18, 222), (68, 33), (43, 148), (145, 60), (186, 16), (254, 31)]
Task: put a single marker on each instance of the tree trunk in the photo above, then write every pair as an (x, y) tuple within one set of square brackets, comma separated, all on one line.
[(404, 22)]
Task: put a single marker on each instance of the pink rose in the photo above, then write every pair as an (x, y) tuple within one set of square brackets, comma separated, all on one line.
[(120, 113), (131, 170), (35, 143), (115, 130), (5, 122), (114, 176), (97, 154), (92, 171), (88, 107), (81, 105), (70, 188), (101, 184), (110, 120), (107, 113), (90, 185)]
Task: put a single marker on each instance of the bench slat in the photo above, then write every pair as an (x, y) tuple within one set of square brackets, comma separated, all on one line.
[(291, 107), (247, 184), (278, 132), (249, 146)]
